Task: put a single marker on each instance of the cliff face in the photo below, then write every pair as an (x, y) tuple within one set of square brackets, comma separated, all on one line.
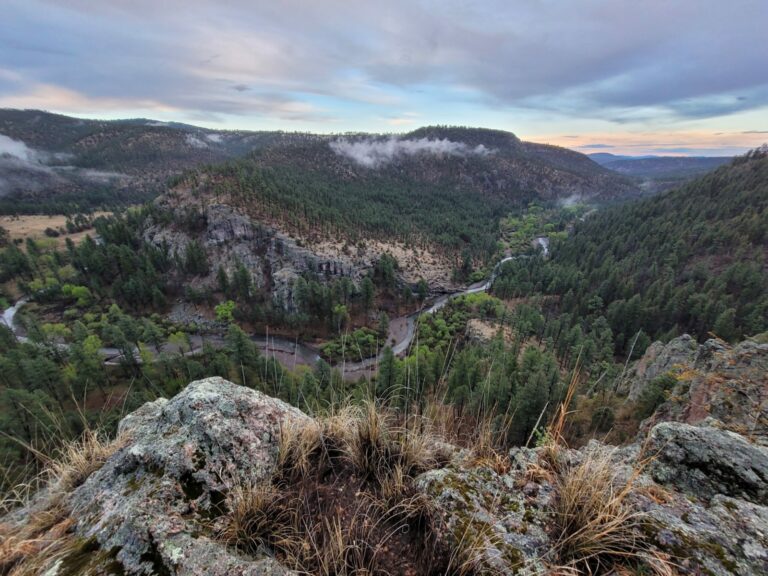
[(693, 496), (273, 258)]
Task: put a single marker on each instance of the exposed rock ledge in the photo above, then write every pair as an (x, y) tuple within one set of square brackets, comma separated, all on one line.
[(155, 503)]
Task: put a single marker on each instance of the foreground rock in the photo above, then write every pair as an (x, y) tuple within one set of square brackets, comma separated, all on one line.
[(153, 501), (699, 494), (700, 503)]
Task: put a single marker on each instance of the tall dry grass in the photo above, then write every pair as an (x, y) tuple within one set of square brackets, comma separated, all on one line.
[(30, 544), (596, 528)]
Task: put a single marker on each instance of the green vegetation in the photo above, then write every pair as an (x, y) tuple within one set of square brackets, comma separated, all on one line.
[(692, 260), (382, 205), (518, 231), (353, 347)]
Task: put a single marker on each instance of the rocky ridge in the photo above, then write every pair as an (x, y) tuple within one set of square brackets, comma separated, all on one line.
[(722, 385), (698, 493), (275, 259)]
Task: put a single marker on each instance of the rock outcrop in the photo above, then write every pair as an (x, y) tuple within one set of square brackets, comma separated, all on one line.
[(154, 500), (698, 494), (705, 461), (658, 360), (231, 239), (724, 384)]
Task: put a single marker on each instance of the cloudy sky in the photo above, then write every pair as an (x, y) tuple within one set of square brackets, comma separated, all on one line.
[(627, 76)]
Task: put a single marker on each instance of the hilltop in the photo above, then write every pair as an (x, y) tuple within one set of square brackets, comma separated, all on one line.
[(48, 160), (221, 479), (436, 193)]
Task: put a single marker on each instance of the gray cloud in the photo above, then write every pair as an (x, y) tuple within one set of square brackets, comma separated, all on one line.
[(372, 153), (301, 60)]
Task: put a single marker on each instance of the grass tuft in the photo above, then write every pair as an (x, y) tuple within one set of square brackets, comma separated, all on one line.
[(78, 459), (35, 542), (597, 530)]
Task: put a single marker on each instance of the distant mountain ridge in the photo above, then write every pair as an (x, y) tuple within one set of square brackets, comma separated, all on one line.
[(47, 159), (447, 186), (656, 174), (660, 166), (50, 160)]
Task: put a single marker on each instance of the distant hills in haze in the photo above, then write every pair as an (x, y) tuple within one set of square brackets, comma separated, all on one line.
[(52, 162), (656, 173)]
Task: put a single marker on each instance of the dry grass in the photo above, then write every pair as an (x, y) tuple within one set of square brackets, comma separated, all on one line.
[(259, 517), (489, 446), (595, 525), (78, 459), (34, 225), (377, 446), (37, 541), (598, 530), (264, 518), (43, 537), (342, 496), (367, 437)]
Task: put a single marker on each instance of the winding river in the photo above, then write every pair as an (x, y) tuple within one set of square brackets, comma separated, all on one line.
[(292, 353)]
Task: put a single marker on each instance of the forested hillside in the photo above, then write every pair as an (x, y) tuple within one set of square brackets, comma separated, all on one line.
[(449, 186), (691, 260), (53, 163)]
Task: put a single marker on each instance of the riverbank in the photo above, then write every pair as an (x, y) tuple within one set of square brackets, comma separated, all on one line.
[(293, 353)]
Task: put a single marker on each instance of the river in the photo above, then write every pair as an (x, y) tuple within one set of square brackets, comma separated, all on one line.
[(292, 353)]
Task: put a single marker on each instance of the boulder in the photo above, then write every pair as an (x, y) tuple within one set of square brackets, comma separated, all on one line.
[(154, 501), (484, 514), (156, 505), (705, 461)]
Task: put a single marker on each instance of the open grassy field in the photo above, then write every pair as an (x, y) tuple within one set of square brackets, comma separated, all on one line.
[(33, 226)]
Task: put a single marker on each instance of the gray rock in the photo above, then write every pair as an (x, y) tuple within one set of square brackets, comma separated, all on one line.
[(156, 499), (484, 511), (726, 383), (725, 538), (659, 359), (706, 461), (157, 503)]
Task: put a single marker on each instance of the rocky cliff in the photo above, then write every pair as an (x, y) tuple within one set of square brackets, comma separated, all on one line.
[(716, 383), (274, 258), (687, 499)]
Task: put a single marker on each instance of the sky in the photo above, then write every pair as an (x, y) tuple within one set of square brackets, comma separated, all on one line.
[(620, 76)]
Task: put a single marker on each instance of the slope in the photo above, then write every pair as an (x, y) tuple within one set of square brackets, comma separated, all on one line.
[(446, 187), (690, 260)]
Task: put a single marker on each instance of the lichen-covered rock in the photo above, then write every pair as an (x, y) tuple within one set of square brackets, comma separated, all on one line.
[(725, 537), (727, 383), (705, 461), (157, 499), (157, 503), (659, 359), (713, 380), (484, 516)]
